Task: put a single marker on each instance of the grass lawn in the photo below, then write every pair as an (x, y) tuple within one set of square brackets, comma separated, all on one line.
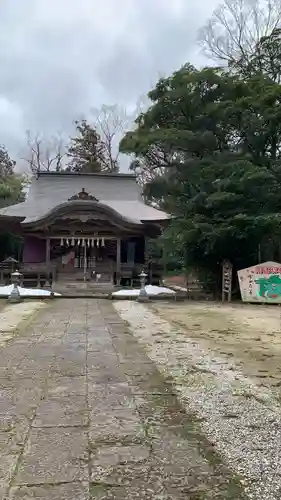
[(250, 335)]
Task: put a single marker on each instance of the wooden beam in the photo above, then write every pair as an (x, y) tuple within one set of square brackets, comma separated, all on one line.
[(78, 236)]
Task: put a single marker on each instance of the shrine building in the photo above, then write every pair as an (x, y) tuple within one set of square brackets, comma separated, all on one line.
[(83, 227)]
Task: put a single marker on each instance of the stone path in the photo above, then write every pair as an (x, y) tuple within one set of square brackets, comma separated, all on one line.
[(84, 414)]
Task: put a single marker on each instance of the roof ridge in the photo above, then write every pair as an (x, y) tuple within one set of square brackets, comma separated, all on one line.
[(86, 174)]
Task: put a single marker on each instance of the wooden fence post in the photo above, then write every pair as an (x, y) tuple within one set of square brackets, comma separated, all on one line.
[(226, 280)]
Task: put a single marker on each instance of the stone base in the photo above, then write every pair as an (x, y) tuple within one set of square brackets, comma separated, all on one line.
[(14, 299), (143, 298), (85, 289)]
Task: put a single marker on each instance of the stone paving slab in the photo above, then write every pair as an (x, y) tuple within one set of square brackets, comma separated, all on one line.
[(54, 456), (104, 398), (115, 426), (7, 467), (62, 411), (13, 433), (62, 386), (69, 491), (148, 492), (84, 414)]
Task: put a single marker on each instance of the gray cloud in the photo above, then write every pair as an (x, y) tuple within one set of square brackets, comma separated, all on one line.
[(59, 58)]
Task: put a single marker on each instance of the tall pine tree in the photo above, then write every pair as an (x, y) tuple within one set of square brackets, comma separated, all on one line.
[(88, 152)]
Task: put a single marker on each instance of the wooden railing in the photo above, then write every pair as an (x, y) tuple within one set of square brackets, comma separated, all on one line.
[(30, 276), (39, 276)]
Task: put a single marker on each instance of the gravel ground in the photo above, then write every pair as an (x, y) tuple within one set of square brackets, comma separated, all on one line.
[(11, 315), (241, 419)]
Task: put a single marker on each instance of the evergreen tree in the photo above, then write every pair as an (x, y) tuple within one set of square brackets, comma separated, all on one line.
[(11, 192), (221, 134), (87, 151)]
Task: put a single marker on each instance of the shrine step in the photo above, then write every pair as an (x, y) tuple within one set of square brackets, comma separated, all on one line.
[(76, 288), (79, 278)]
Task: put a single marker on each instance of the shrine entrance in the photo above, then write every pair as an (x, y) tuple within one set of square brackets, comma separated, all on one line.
[(89, 253), (87, 258)]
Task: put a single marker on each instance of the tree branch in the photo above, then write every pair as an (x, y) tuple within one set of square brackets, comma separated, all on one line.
[(44, 156)]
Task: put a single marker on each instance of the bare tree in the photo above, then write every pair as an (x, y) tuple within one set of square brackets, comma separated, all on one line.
[(45, 155), (110, 122), (236, 26)]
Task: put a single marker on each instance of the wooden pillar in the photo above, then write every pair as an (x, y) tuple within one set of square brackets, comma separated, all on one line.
[(145, 254), (48, 255), (85, 259), (147, 261), (48, 251), (118, 261)]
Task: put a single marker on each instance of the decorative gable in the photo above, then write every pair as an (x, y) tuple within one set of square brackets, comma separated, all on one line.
[(83, 195)]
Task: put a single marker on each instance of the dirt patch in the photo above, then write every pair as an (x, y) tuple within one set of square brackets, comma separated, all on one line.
[(249, 335)]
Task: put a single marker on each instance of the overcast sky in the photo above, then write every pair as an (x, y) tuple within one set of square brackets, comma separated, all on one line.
[(59, 58)]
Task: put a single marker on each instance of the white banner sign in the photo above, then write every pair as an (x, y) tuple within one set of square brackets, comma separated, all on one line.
[(261, 283)]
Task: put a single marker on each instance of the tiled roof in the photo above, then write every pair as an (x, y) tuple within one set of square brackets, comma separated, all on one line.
[(118, 191)]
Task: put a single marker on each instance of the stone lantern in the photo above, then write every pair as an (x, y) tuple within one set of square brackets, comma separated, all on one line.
[(143, 297), (15, 293)]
